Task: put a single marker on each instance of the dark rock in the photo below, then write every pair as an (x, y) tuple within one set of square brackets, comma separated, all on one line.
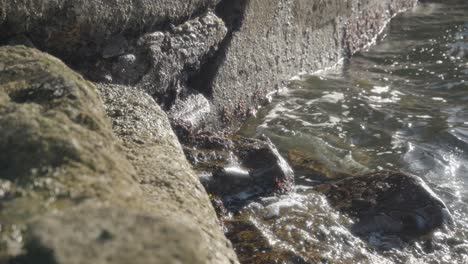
[(253, 247), (389, 203), (239, 166), (127, 69), (64, 27), (115, 46), (267, 167), (177, 54), (20, 40), (161, 63)]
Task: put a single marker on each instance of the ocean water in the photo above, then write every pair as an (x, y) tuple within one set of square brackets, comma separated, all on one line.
[(400, 105)]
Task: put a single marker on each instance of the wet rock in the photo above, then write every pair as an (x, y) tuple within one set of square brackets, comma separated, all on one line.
[(103, 234), (388, 203), (253, 247), (267, 167), (240, 167)]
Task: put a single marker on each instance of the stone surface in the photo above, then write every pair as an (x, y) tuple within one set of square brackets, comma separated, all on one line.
[(57, 146), (63, 27), (59, 152), (239, 167), (162, 62), (177, 55), (169, 184), (103, 234), (389, 203), (271, 41)]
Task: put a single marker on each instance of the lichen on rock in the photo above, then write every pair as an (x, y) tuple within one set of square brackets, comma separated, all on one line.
[(66, 179)]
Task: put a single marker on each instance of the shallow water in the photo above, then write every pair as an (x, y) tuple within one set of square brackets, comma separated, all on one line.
[(401, 105)]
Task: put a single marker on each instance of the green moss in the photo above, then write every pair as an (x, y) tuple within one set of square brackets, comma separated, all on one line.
[(56, 143)]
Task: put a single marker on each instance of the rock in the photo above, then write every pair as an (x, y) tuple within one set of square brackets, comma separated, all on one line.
[(58, 152), (64, 27), (20, 40), (253, 247), (56, 144), (269, 41), (190, 112), (389, 203), (128, 69), (54, 126), (168, 182), (115, 46), (103, 234), (239, 166), (176, 55), (266, 165), (162, 63)]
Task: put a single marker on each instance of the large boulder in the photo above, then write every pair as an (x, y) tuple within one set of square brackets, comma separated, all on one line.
[(103, 234), (58, 152), (65, 26), (169, 184)]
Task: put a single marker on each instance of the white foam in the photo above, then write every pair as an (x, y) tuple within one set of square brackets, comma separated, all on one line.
[(332, 97), (380, 89)]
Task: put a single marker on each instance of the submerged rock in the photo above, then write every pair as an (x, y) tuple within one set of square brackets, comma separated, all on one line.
[(388, 203)]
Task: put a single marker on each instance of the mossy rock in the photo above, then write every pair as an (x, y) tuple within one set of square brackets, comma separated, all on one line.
[(65, 176), (57, 147)]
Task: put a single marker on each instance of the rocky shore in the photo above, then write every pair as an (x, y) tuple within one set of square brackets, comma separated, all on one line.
[(96, 98)]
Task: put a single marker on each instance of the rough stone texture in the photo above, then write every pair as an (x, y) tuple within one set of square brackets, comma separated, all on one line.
[(238, 168), (167, 180), (57, 147), (274, 40), (64, 26), (162, 62), (177, 55), (102, 234), (390, 203), (58, 151)]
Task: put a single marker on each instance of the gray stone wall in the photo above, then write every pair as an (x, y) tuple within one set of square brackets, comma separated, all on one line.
[(276, 40)]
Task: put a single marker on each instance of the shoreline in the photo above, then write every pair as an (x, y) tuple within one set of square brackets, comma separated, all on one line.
[(203, 68)]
